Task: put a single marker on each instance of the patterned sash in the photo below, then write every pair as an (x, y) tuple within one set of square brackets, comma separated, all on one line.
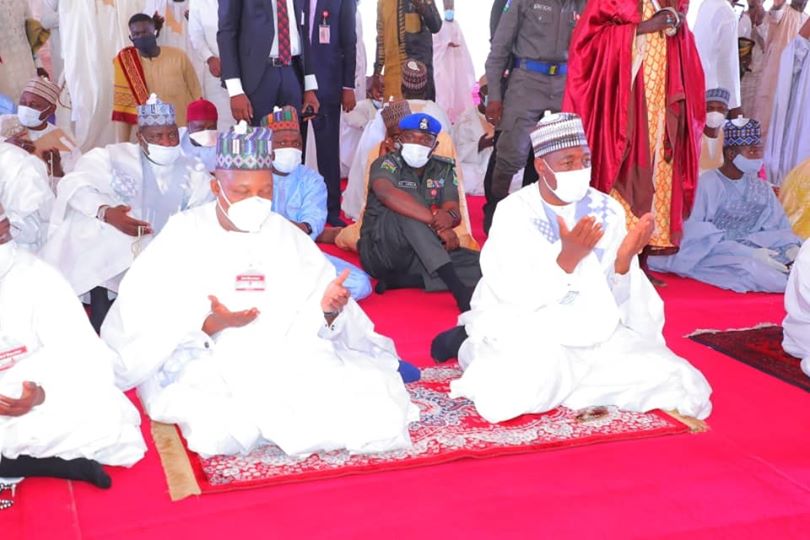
[(130, 86)]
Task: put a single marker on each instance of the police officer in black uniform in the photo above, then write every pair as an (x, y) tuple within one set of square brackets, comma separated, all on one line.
[(407, 237)]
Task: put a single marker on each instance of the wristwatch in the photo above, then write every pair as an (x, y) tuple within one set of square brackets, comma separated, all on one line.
[(101, 215), (308, 228)]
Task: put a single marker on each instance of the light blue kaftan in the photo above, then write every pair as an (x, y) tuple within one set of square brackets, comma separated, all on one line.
[(730, 221), (301, 197)]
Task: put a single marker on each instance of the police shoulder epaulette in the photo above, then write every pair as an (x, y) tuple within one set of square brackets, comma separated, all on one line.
[(391, 163)]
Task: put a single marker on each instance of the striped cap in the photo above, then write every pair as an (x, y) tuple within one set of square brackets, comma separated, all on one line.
[(393, 112), (557, 132), (741, 132), (282, 119), (156, 113), (718, 94), (245, 148), (42, 87)]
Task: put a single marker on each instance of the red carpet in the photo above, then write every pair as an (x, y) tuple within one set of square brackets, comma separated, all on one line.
[(760, 348), (448, 430), (749, 477)]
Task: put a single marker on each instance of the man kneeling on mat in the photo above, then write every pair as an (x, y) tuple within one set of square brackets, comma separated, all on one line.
[(563, 315)]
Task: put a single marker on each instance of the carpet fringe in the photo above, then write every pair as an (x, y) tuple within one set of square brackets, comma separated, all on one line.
[(694, 425), (176, 466), (701, 331)]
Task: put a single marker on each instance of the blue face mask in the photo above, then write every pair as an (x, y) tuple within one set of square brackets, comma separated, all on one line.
[(746, 165), (449, 15)]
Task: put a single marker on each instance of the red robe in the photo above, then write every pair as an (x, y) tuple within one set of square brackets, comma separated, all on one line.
[(613, 110)]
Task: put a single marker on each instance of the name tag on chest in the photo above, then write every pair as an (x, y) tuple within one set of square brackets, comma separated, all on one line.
[(10, 356), (324, 34), (251, 282)]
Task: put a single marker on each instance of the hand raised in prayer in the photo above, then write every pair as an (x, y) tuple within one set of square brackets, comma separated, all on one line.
[(634, 243), (578, 242), (53, 159), (32, 395), (336, 296), (349, 100), (494, 112), (449, 239), (118, 217), (241, 109), (222, 318), (311, 100), (214, 66)]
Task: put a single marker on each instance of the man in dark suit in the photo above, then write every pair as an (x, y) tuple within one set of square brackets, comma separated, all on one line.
[(333, 50), (264, 57)]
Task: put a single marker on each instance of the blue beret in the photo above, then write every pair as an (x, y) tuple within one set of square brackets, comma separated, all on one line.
[(421, 122)]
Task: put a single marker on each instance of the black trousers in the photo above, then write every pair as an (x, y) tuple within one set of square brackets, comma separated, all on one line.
[(400, 245), (279, 86), (327, 143)]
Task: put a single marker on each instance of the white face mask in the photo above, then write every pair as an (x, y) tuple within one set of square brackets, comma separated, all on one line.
[(29, 117), (571, 185), (206, 138), (715, 119), (163, 155), (285, 160), (248, 215), (746, 165), (416, 155)]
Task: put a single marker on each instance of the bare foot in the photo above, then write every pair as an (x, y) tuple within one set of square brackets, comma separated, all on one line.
[(695, 425), (328, 235)]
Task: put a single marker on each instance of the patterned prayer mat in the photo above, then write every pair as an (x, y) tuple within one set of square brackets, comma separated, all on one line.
[(449, 429), (760, 348)]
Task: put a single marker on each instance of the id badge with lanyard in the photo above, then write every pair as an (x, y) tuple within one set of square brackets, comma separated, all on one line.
[(324, 31)]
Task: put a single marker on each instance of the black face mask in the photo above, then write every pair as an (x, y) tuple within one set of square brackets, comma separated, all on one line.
[(145, 44)]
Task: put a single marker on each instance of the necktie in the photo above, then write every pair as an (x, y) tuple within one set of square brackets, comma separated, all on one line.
[(284, 51)]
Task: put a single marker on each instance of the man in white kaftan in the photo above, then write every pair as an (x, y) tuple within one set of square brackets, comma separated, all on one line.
[(785, 19), (26, 195), (797, 304), (31, 124), (737, 236), (57, 393), (563, 314), (234, 327), (202, 32), (789, 140), (716, 39), (753, 25), (116, 200), (453, 69)]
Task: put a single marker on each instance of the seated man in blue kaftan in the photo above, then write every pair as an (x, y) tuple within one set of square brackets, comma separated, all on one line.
[(299, 193), (738, 236)]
